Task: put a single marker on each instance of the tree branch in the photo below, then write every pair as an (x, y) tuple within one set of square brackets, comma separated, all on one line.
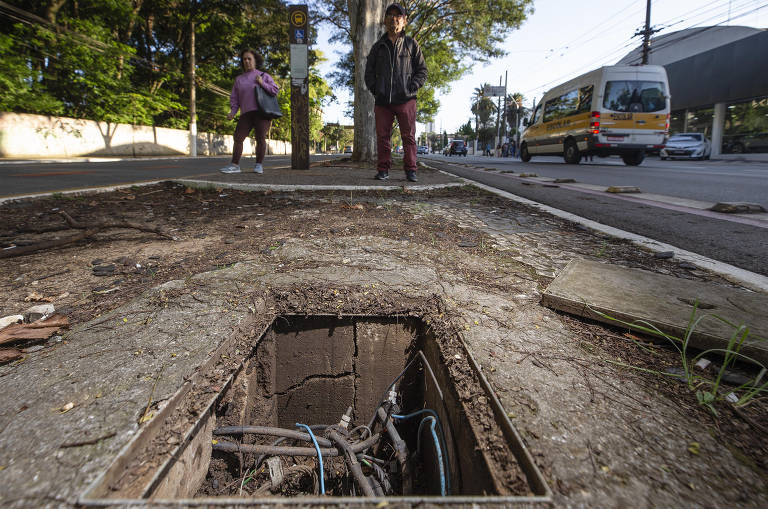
[(89, 230)]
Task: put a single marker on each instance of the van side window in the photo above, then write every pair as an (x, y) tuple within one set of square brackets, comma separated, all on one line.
[(536, 114), (562, 106), (634, 96), (585, 98)]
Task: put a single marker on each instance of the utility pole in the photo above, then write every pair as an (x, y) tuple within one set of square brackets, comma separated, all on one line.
[(647, 32), (192, 93)]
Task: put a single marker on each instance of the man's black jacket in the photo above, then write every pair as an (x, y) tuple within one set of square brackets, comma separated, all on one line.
[(395, 72)]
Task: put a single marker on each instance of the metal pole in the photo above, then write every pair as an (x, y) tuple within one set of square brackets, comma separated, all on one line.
[(504, 115), (192, 94), (498, 124)]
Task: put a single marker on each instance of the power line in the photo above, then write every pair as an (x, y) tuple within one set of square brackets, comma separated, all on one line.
[(630, 42)]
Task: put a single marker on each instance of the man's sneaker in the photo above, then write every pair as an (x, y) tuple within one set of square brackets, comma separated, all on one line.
[(231, 168), (258, 168), (382, 175), (411, 176)]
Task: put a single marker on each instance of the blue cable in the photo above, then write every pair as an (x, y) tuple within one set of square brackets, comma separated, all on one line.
[(442, 439), (437, 448), (319, 455)]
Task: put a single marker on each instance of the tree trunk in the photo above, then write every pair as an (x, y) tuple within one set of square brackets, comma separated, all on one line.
[(365, 21)]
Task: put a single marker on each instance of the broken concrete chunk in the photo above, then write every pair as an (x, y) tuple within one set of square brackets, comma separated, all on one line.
[(737, 207), (664, 255), (10, 319), (38, 312), (596, 290)]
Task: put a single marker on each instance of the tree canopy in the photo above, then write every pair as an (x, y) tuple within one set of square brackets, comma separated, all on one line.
[(128, 60), (453, 34)]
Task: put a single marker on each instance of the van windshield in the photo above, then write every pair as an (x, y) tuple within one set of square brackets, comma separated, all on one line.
[(634, 96)]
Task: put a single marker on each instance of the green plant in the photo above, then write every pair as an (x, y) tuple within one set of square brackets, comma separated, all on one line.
[(707, 390)]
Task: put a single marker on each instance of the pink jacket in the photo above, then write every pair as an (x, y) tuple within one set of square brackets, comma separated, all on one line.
[(243, 95)]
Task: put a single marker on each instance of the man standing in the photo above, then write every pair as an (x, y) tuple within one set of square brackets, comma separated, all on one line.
[(394, 72)]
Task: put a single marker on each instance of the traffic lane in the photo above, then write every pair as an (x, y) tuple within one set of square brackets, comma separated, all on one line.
[(41, 177), (713, 181), (740, 245)]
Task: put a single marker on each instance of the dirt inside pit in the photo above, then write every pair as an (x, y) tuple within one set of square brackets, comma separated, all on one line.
[(468, 262)]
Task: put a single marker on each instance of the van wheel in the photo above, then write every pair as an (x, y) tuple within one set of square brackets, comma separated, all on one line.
[(571, 152), (525, 156), (634, 159)]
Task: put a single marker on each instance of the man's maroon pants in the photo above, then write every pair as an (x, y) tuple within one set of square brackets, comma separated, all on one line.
[(406, 118)]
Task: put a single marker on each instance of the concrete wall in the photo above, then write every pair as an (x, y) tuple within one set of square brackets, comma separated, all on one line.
[(23, 135)]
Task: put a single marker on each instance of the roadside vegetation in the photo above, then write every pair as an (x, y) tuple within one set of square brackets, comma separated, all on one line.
[(128, 61)]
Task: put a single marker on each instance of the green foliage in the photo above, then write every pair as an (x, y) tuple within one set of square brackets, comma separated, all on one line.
[(336, 136), (128, 61), (451, 34), (22, 84)]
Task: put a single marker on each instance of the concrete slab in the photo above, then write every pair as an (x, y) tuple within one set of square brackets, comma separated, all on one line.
[(666, 302)]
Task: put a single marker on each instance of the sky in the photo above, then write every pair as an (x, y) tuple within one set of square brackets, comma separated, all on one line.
[(559, 42)]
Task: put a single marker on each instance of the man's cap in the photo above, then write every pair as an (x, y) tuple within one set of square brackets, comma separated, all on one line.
[(399, 8)]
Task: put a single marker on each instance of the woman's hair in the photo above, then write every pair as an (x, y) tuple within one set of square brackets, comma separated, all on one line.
[(256, 56)]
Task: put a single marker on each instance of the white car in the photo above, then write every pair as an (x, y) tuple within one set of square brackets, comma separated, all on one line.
[(686, 146)]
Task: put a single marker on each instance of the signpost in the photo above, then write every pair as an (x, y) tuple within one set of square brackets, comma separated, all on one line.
[(298, 28)]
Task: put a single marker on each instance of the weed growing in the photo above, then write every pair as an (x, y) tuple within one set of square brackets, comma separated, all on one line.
[(708, 390)]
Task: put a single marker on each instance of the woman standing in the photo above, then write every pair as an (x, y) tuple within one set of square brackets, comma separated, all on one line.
[(243, 97)]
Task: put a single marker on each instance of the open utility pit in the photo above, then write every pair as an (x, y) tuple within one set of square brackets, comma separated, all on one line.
[(394, 412)]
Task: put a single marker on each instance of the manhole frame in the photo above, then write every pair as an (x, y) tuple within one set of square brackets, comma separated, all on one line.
[(535, 479)]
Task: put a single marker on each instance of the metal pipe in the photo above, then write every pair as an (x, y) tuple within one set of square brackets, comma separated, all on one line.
[(267, 430), (291, 451), (354, 466)]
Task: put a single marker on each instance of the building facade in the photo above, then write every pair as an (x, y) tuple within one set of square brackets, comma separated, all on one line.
[(718, 80)]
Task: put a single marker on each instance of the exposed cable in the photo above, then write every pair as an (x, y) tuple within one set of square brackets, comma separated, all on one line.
[(438, 449), (442, 438), (319, 455)]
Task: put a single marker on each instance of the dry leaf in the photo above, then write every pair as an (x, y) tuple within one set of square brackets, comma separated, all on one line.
[(66, 408), (37, 297)]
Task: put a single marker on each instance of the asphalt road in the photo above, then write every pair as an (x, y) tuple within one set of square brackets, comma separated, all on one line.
[(731, 240), (741, 242), (715, 181), (20, 178)]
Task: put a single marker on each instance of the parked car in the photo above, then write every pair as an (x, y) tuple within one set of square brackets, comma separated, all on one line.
[(686, 146), (422, 149), (743, 143), (458, 148), (348, 149)]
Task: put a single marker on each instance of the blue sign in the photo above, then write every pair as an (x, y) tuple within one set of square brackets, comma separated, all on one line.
[(299, 35)]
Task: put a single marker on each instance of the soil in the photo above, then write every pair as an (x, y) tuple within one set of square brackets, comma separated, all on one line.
[(603, 431)]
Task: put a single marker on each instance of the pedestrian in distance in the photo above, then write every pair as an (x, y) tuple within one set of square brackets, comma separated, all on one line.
[(394, 73), (243, 97)]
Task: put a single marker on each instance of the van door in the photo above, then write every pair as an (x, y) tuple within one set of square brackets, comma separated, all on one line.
[(636, 111)]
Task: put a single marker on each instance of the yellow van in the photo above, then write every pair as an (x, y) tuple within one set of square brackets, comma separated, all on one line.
[(614, 110)]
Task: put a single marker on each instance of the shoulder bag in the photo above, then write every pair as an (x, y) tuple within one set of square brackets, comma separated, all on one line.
[(268, 106)]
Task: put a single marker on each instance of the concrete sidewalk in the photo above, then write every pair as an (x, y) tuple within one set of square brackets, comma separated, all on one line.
[(137, 378)]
